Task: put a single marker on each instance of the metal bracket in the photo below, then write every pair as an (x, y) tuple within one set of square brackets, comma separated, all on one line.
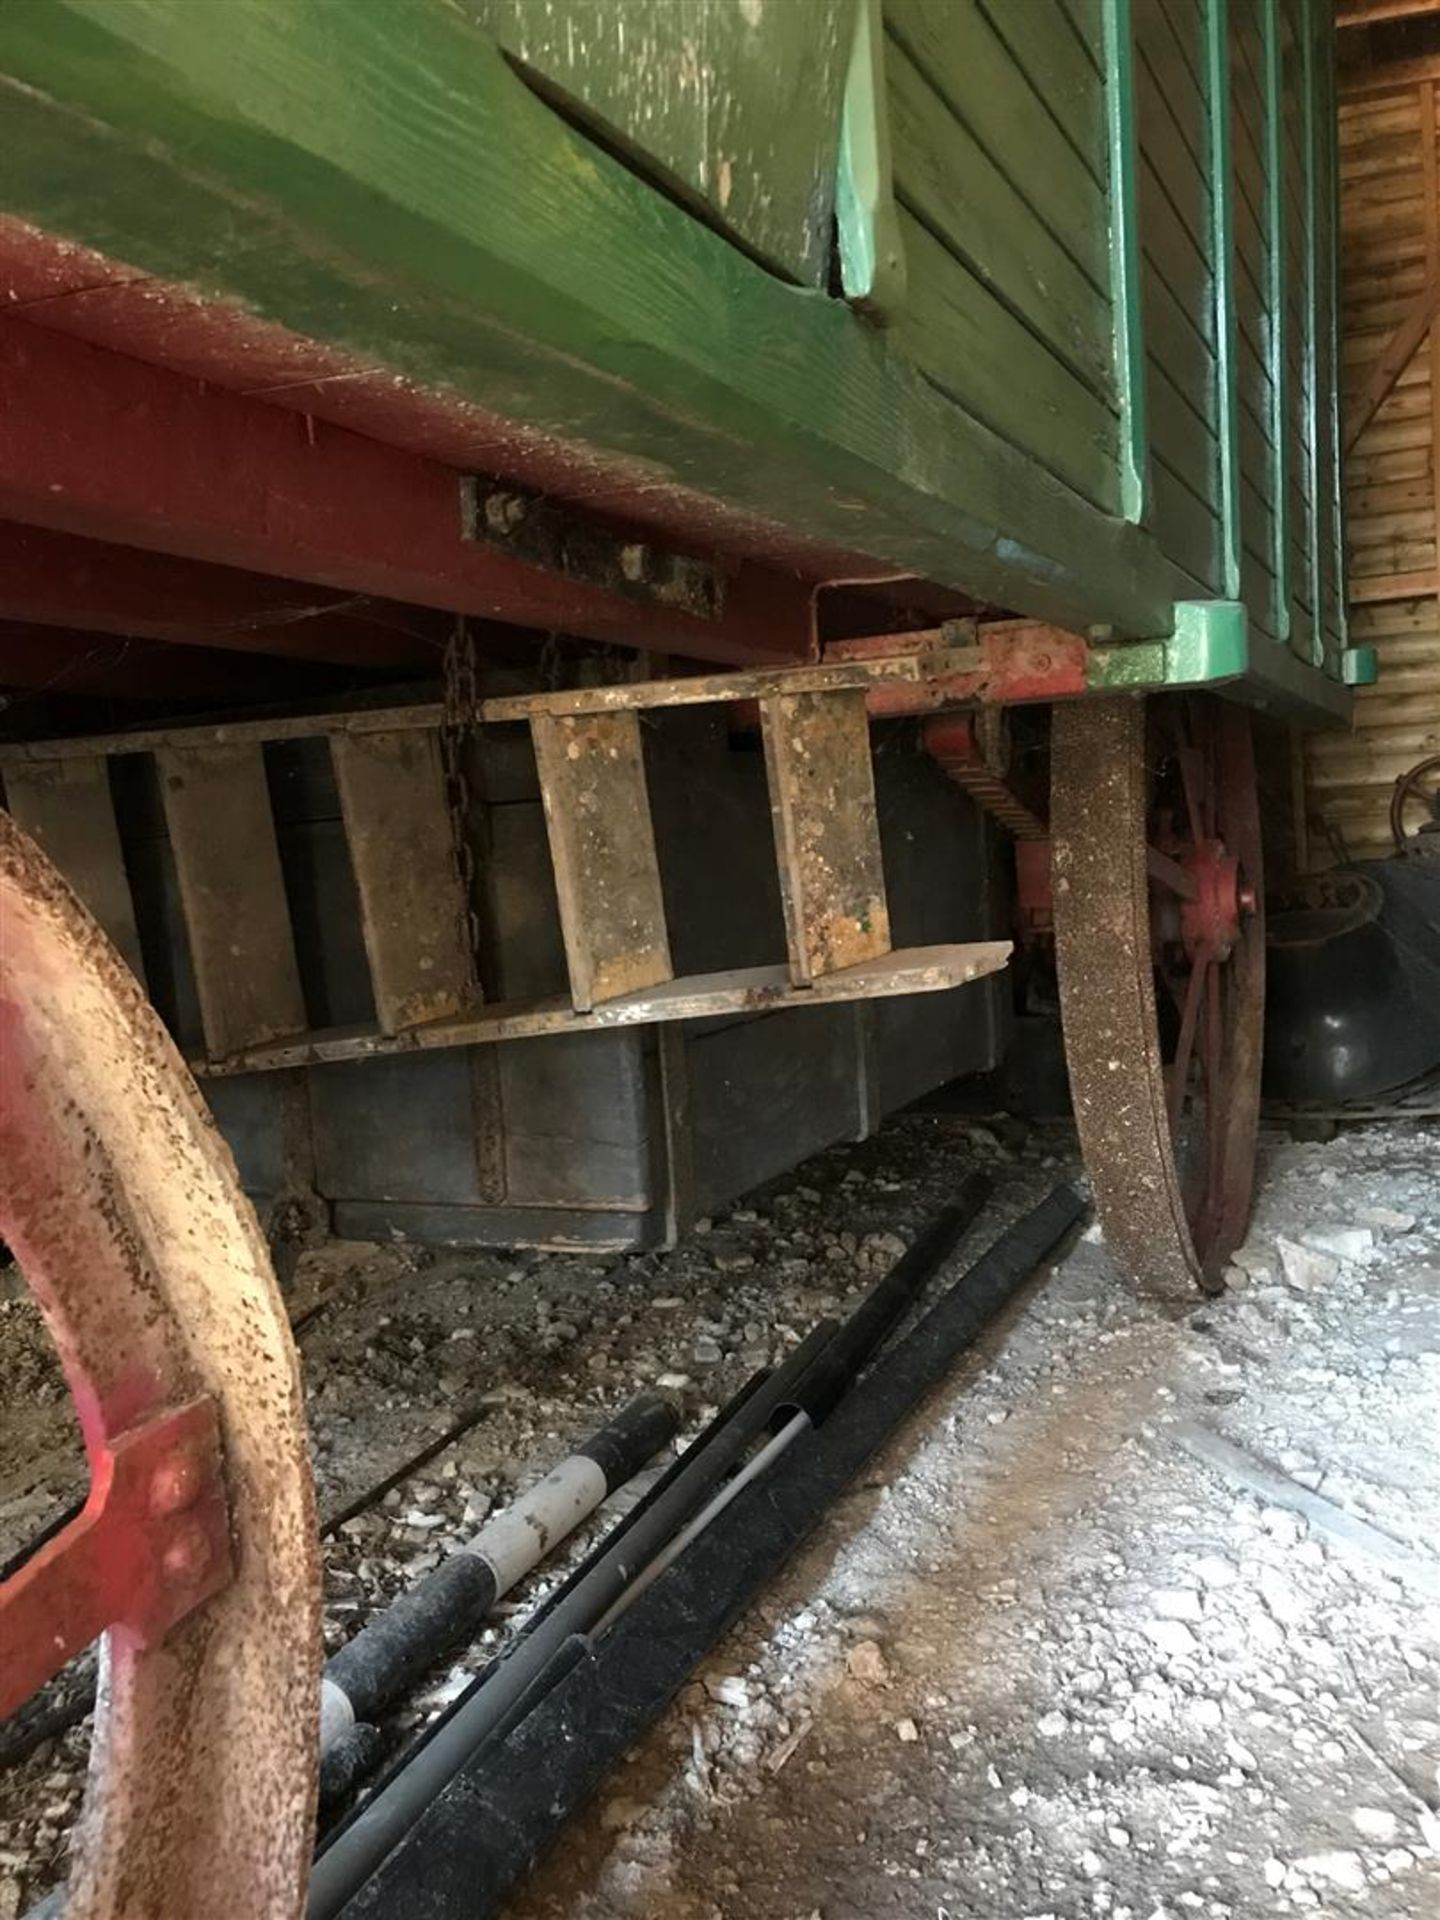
[(152, 1543), (543, 533)]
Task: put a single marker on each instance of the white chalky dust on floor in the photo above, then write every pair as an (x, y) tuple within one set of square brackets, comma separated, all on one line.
[(1040, 1662), (1044, 1663)]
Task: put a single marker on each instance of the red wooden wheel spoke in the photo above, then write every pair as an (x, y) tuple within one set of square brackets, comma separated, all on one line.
[(1214, 1088), (1185, 1046), (1192, 780), (1168, 873)]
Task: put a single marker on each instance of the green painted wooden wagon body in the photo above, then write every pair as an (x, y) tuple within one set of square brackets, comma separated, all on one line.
[(1033, 298)]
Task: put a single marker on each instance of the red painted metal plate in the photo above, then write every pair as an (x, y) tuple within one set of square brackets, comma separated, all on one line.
[(152, 1543)]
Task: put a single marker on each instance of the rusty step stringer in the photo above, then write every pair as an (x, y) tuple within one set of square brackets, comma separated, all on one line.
[(389, 772)]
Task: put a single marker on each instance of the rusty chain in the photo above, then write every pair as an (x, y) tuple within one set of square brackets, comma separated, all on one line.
[(461, 705)]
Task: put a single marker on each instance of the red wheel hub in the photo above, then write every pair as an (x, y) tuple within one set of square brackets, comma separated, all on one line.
[(1210, 918)]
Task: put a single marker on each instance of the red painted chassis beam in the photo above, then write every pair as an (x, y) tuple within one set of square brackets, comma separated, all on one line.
[(97, 444), (56, 580), (152, 1543), (112, 666)]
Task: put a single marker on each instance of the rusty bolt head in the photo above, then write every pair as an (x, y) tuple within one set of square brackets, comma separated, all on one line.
[(187, 1558), (175, 1483)]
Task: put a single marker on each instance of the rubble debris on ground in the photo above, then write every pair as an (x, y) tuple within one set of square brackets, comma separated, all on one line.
[(1048, 1660)]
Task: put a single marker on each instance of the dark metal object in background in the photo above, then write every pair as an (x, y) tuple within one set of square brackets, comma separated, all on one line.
[(1425, 841), (498, 1815), (1354, 1011)]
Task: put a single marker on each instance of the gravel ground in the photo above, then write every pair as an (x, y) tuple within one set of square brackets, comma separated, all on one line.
[(1043, 1661)]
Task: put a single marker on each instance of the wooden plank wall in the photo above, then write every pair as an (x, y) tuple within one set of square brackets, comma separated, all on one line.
[(1390, 244)]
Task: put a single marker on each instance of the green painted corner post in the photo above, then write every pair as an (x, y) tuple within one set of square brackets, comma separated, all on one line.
[(1211, 642), (1125, 295), (1222, 187), (872, 253), (1277, 342)]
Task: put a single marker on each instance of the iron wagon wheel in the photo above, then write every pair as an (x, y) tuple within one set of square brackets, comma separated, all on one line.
[(1160, 947), (1410, 787), (196, 1552)]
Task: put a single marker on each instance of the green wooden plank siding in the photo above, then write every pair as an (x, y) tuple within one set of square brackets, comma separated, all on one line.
[(1179, 292), (975, 350), (1041, 40), (1199, 402), (1087, 18), (1252, 286), (1327, 322), (1294, 14), (953, 43), (734, 105), (377, 176), (951, 184), (998, 137)]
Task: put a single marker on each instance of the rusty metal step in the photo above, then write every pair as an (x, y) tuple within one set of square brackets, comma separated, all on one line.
[(696, 997), (827, 837), (67, 807), (413, 900), (232, 894), (602, 847), (413, 910)]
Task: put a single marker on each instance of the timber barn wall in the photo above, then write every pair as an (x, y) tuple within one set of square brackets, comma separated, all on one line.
[(1390, 263)]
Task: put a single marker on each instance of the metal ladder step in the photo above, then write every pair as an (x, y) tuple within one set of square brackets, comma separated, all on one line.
[(827, 836), (232, 893), (67, 807), (413, 902), (413, 913), (602, 847)]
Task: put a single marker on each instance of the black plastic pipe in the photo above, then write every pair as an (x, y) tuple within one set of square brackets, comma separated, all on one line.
[(399, 1645), (356, 1848), (809, 1383), (834, 1369), (832, 1372), (505, 1803)]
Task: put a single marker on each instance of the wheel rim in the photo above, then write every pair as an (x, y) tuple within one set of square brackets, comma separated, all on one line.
[(124, 1209), (1157, 867), (1407, 788)]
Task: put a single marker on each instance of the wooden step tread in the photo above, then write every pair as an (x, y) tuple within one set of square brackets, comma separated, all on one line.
[(700, 996)]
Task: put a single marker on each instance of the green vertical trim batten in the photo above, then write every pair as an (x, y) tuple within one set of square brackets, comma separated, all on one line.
[(872, 253), (1217, 87), (1334, 665), (1275, 293), (1312, 332), (1128, 320)]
